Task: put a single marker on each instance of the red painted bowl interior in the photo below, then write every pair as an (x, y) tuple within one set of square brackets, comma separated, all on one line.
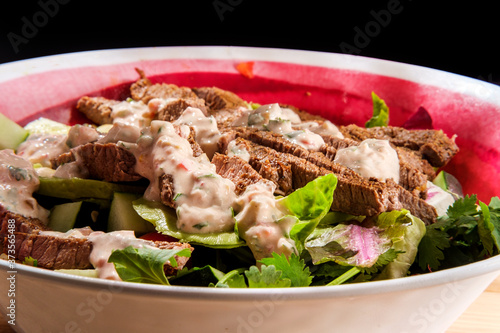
[(342, 96)]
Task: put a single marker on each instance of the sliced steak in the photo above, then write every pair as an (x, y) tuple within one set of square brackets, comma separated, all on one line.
[(223, 105), (97, 109), (354, 194), (143, 90), (412, 177), (53, 251), (108, 162), (21, 224), (217, 99), (432, 145), (173, 109), (167, 190), (237, 170)]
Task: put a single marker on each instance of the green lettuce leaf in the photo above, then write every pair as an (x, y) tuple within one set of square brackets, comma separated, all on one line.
[(363, 245), (164, 219), (405, 231), (145, 265), (309, 205), (380, 113)]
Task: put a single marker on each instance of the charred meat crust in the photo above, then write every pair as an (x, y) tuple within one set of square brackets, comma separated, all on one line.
[(53, 252), (108, 162), (237, 170), (432, 145), (354, 194)]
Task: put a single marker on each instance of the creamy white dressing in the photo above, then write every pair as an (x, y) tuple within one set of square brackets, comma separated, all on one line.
[(82, 134), (18, 181), (103, 244), (273, 118), (41, 148), (262, 224), (233, 149), (72, 233), (130, 112), (204, 199), (121, 132), (306, 139), (205, 128), (323, 128), (371, 158)]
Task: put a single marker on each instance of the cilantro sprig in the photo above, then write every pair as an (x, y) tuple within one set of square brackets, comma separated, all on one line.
[(470, 231)]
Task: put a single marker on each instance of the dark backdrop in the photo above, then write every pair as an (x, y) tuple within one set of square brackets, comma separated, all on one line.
[(459, 37)]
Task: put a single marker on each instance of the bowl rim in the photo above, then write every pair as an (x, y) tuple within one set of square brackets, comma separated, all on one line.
[(422, 75), (443, 277), (486, 91)]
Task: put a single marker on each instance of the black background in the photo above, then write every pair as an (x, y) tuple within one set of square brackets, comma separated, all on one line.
[(459, 37)]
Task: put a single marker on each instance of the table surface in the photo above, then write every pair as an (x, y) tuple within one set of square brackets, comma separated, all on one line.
[(483, 316)]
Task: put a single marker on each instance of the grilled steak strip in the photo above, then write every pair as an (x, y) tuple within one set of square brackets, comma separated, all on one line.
[(108, 162), (54, 252), (411, 177), (144, 90), (432, 145), (354, 194), (236, 170), (97, 109)]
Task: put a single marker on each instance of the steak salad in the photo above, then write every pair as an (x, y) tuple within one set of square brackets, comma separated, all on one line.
[(197, 187)]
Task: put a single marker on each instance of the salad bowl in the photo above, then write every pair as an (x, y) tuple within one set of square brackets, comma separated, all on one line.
[(335, 86)]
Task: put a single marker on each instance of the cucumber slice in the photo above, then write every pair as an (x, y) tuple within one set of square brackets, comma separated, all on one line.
[(46, 126), (449, 183), (79, 188), (11, 134), (80, 214), (198, 277), (440, 181), (122, 215), (104, 128), (63, 217), (80, 272)]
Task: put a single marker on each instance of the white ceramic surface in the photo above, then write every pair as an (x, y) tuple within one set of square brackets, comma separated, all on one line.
[(47, 301)]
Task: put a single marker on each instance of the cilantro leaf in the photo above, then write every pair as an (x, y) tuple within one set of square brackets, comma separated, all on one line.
[(293, 268), (30, 261), (266, 277), (430, 250), (145, 265), (489, 229), (380, 113), (463, 207), (233, 279)]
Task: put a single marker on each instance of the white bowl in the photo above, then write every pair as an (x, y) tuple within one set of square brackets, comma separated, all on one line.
[(334, 85)]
